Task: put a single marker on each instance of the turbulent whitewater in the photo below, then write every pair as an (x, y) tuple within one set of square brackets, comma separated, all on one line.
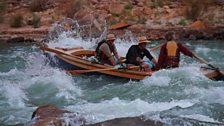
[(181, 96)]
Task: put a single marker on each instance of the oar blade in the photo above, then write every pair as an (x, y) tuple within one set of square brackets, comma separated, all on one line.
[(211, 73)]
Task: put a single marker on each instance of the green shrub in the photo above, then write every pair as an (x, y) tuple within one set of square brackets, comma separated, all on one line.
[(160, 3), (40, 5), (142, 20), (169, 24), (115, 14), (129, 6), (197, 8), (157, 22), (210, 17), (156, 3), (3, 7), (153, 5), (126, 12), (16, 21), (37, 5), (36, 21), (114, 21), (182, 22), (131, 19), (194, 11)]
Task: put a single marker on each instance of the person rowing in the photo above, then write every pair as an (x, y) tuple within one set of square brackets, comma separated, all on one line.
[(169, 56), (136, 53)]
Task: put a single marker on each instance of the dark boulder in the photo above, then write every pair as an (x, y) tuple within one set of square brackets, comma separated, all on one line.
[(51, 115)]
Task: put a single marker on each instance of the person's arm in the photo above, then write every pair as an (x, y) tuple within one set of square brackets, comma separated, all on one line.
[(111, 59), (151, 58), (106, 50), (185, 51), (115, 52), (155, 62)]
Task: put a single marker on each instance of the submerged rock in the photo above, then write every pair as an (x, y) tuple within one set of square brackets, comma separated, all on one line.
[(51, 115), (129, 121)]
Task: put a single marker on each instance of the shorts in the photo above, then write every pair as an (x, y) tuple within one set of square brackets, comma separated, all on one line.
[(150, 63)]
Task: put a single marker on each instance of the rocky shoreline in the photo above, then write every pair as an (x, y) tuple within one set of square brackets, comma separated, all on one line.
[(192, 20), (184, 33)]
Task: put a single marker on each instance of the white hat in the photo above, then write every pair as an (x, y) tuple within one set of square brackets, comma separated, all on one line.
[(143, 39)]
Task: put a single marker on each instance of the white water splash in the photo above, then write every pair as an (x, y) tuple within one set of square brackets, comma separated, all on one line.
[(157, 80), (200, 117), (209, 95), (14, 94), (116, 108), (165, 76), (12, 72), (16, 83), (58, 78), (203, 50), (65, 41)]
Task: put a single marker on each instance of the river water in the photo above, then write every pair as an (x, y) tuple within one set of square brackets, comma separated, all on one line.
[(181, 96)]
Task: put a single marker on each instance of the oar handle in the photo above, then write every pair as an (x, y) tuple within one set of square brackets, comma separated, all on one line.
[(213, 67), (73, 72)]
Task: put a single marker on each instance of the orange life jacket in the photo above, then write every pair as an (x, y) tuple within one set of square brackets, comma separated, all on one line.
[(173, 54), (172, 49)]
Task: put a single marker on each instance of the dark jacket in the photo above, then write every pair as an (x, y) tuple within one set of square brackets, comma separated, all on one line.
[(133, 52)]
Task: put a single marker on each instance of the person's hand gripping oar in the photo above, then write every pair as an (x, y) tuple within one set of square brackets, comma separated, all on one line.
[(206, 62)]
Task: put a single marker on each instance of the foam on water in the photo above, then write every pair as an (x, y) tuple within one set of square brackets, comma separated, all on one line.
[(209, 94), (203, 50), (14, 94), (157, 80), (68, 42), (45, 74), (164, 77), (206, 50), (16, 83), (114, 108), (10, 73), (199, 117)]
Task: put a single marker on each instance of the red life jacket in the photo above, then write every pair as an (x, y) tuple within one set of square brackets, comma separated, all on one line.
[(173, 54)]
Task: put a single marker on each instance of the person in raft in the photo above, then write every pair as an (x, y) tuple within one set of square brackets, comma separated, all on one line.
[(106, 51), (169, 56), (137, 52)]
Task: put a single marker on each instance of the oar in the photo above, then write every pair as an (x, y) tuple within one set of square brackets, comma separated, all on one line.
[(206, 62), (154, 48), (54, 51), (73, 72), (69, 49)]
